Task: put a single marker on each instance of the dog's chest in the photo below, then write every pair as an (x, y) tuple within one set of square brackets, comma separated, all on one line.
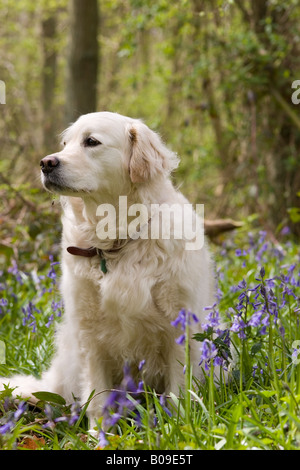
[(125, 294)]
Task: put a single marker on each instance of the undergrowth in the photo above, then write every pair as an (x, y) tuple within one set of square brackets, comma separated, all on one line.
[(249, 345)]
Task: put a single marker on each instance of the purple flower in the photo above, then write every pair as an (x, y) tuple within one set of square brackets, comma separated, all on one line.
[(20, 411), (50, 321), (285, 231), (15, 271), (141, 386), (162, 401), (56, 307), (103, 442), (75, 413), (212, 319), (118, 404), (7, 427), (183, 320), (256, 319), (13, 418), (282, 331), (295, 355), (128, 384), (52, 420), (208, 352), (52, 274), (180, 339), (238, 326), (261, 251)]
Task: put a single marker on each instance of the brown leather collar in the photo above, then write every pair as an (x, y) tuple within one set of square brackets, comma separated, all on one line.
[(86, 252), (89, 253)]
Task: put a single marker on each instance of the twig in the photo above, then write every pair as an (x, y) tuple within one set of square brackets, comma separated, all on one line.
[(17, 193)]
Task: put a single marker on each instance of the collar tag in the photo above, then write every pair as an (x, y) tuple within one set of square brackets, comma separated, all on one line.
[(103, 265), (88, 253)]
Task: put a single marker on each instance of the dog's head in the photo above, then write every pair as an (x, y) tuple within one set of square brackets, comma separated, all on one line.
[(105, 153)]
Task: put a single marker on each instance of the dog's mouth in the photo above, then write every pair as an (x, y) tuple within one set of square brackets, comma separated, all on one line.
[(53, 184), (56, 185)]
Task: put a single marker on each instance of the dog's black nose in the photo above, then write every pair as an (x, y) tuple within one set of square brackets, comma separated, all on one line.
[(48, 164)]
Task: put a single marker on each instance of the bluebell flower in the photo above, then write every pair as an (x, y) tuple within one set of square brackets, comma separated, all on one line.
[(212, 320), (56, 307), (103, 442), (162, 401), (256, 319), (285, 230), (50, 321), (118, 404), (15, 271), (69, 419), (52, 274), (7, 427), (20, 410), (13, 418), (141, 386), (261, 251), (75, 413), (208, 352), (254, 369), (180, 339), (184, 319), (238, 326)]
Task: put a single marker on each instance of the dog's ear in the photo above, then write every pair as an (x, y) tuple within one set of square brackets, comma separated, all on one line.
[(148, 156)]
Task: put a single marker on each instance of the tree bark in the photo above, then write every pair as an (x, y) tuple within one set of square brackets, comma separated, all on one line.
[(48, 78), (274, 107), (83, 59)]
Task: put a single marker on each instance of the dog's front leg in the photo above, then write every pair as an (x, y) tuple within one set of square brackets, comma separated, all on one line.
[(96, 385)]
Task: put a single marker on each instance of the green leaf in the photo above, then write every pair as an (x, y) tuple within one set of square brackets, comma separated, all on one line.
[(256, 348), (202, 336), (294, 213), (50, 397), (268, 393), (6, 251)]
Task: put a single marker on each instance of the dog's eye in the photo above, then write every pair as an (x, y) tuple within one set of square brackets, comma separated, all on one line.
[(91, 142)]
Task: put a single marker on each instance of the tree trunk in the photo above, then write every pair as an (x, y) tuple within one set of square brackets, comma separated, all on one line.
[(275, 110), (48, 78), (83, 59)]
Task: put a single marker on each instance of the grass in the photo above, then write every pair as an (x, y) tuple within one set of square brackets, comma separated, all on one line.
[(257, 407)]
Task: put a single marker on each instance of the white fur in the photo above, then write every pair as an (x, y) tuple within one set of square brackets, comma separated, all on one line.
[(123, 315)]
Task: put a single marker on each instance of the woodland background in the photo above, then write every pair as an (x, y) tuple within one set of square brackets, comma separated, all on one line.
[(213, 77)]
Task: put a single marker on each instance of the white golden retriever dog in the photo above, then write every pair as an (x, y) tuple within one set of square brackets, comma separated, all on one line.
[(122, 313)]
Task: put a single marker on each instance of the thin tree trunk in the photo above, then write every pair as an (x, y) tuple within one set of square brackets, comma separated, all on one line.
[(48, 78), (280, 155), (83, 59)]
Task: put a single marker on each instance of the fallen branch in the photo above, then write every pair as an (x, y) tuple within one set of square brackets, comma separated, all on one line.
[(213, 228)]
